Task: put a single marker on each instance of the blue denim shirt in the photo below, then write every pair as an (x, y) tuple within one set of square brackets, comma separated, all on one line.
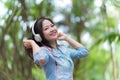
[(58, 63)]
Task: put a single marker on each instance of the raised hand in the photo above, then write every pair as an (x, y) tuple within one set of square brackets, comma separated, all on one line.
[(27, 43), (62, 36), (74, 43)]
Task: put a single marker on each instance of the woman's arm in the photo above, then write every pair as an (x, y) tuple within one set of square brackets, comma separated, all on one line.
[(79, 52), (31, 44), (71, 41)]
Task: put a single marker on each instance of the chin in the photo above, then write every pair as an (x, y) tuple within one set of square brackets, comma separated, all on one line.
[(52, 38), (55, 38)]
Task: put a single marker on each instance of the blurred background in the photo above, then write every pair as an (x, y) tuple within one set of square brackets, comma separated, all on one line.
[(94, 23)]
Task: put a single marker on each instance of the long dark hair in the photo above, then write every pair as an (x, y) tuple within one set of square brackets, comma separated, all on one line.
[(38, 30)]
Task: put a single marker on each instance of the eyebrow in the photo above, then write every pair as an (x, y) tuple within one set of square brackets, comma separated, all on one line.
[(47, 25)]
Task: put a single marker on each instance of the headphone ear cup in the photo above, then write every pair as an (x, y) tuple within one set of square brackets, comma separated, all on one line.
[(38, 38)]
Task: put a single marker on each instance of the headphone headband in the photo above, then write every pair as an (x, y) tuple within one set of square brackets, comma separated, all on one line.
[(33, 30), (37, 37)]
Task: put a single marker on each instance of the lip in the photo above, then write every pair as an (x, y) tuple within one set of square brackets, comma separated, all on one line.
[(53, 33)]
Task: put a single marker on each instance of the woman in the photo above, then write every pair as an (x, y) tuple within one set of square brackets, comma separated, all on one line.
[(55, 60)]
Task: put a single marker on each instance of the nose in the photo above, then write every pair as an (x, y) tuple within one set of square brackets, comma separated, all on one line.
[(51, 29)]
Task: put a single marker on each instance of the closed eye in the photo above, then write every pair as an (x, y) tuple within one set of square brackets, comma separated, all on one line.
[(45, 28), (52, 25)]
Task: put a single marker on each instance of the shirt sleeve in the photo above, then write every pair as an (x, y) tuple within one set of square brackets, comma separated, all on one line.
[(78, 52), (41, 53)]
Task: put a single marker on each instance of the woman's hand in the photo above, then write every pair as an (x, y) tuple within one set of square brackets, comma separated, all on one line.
[(75, 44), (27, 43), (62, 36), (31, 44)]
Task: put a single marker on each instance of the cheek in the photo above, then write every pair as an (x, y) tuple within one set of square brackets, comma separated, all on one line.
[(45, 33)]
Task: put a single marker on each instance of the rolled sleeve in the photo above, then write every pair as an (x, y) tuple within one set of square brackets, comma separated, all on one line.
[(78, 53), (41, 53)]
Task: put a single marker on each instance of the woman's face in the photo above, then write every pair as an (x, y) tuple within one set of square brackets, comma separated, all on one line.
[(49, 30)]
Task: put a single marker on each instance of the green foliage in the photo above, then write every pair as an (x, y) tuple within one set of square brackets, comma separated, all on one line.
[(102, 27), (38, 73), (112, 22)]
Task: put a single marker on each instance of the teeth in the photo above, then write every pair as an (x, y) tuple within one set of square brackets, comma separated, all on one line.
[(53, 33)]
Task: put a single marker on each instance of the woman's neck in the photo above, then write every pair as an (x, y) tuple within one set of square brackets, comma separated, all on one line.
[(53, 44)]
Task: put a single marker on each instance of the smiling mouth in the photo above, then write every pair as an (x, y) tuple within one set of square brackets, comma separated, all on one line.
[(53, 33)]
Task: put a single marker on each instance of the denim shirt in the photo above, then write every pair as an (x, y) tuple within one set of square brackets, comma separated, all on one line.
[(58, 62)]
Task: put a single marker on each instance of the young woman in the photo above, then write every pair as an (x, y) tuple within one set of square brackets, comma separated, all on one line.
[(55, 60)]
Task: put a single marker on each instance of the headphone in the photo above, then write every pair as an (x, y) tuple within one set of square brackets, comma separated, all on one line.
[(37, 37)]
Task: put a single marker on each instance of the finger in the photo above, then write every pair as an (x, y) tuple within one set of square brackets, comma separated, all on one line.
[(60, 38), (24, 39), (27, 45)]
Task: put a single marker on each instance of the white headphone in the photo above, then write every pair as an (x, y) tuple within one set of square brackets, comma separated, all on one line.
[(37, 37)]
